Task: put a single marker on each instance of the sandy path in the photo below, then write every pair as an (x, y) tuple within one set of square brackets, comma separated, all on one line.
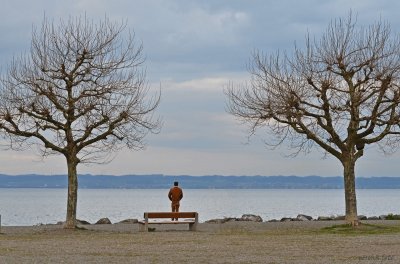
[(239, 242)]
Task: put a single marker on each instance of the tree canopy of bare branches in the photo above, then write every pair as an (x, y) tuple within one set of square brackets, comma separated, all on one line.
[(340, 93), (79, 92)]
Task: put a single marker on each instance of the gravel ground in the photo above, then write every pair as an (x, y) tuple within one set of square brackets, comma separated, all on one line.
[(236, 242)]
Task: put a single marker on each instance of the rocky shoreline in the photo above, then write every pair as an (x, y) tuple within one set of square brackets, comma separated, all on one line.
[(302, 217), (253, 218)]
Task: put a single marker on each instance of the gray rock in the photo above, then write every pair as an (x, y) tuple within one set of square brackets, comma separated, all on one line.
[(103, 221), (324, 218), (286, 219), (383, 217), (339, 217), (362, 217), (215, 221), (273, 221), (302, 217), (245, 217), (251, 217), (82, 222), (373, 218), (129, 221)]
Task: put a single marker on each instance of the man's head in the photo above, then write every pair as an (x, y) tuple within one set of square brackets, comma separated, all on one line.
[(176, 183)]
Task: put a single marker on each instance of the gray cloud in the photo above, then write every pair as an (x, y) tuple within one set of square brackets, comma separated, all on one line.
[(193, 49)]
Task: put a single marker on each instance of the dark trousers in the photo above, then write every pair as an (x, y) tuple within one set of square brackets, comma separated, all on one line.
[(175, 208)]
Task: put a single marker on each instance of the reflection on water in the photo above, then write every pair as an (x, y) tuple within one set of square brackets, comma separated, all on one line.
[(34, 206)]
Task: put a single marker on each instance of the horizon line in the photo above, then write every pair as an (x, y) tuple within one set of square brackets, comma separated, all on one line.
[(187, 175)]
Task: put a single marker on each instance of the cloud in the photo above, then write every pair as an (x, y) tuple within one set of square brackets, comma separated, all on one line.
[(238, 160), (193, 50), (194, 114), (28, 162)]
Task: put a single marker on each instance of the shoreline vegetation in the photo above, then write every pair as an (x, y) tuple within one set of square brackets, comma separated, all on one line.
[(375, 241), (160, 181)]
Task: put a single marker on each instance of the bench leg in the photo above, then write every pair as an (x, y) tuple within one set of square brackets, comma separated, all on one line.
[(143, 227), (193, 227)]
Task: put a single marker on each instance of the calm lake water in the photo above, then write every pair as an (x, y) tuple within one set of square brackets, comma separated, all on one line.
[(20, 207)]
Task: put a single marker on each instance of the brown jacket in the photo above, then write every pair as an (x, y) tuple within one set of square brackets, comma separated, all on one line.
[(175, 194)]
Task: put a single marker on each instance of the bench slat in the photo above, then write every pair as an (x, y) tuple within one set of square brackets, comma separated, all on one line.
[(170, 214), (143, 225), (166, 222)]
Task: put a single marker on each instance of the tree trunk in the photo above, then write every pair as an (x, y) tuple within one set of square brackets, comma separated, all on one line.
[(350, 191), (70, 221)]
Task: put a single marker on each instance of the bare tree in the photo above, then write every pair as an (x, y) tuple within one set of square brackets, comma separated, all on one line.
[(340, 93), (80, 92)]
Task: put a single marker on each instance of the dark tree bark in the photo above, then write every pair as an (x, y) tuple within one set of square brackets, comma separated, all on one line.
[(72, 199), (350, 191), (80, 92), (341, 93)]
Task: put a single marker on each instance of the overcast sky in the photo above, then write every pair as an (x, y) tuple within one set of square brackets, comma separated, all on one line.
[(193, 50)]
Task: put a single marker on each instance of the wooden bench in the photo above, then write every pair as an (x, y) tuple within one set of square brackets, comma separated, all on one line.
[(192, 219)]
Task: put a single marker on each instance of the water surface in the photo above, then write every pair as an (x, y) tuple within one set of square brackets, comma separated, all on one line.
[(35, 206)]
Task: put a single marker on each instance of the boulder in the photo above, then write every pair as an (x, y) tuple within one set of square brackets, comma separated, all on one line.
[(286, 219), (373, 218), (245, 217), (339, 217), (103, 221), (129, 221), (273, 221), (362, 217), (324, 218), (251, 217), (82, 222), (302, 217)]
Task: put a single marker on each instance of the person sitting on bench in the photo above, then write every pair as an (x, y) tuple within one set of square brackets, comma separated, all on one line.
[(175, 195)]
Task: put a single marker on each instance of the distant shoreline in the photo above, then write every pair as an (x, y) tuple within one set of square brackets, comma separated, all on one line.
[(159, 181), (190, 188)]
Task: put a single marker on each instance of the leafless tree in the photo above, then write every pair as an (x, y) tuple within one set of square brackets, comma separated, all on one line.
[(340, 93), (80, 92)]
